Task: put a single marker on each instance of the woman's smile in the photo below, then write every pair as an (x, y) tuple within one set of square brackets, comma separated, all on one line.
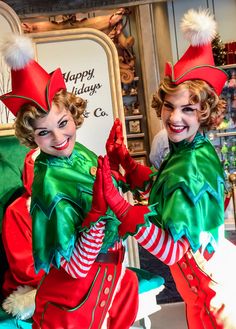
[(177, 129), (62, 146)]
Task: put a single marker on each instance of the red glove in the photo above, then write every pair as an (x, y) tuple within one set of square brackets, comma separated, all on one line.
[(135, 173), (114, 145), (114, 140), (99, 204), (130, 216)]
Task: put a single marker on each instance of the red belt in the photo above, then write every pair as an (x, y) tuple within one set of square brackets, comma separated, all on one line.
[(112, 257)]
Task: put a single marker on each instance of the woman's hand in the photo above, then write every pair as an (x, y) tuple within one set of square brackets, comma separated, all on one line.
[(136, 175), (115, 147), (99, 204), (130, 216)]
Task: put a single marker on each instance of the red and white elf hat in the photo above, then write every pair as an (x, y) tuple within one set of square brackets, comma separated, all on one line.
[(30, 82), (199, 28)]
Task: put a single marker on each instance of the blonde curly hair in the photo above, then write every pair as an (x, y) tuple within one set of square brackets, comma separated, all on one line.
[(212, 107), (24, 123)]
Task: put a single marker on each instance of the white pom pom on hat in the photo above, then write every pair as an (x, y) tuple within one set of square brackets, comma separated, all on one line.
[(17, 51), (197, 63), (198, 27), (31, 84)]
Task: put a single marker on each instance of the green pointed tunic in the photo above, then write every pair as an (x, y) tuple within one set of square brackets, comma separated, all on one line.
[(61, 199), (188, 193)]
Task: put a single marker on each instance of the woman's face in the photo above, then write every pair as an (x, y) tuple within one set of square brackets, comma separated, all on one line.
[(55, 133), (180, 118)]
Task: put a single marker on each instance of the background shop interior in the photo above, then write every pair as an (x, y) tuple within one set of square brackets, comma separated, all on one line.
[(146, 34)]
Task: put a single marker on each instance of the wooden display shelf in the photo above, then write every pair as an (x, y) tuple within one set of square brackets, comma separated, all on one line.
[(138, 153), (139, 135), (134, 117)]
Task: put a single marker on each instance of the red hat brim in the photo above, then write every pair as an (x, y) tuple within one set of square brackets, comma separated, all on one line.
[(197, 63), (214, 76)]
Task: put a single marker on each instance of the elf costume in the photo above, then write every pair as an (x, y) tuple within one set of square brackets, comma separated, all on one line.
[(58, 219), (75, 236), (184, 223)]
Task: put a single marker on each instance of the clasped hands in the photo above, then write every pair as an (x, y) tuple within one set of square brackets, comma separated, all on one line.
[(105, 194), (117, 154)]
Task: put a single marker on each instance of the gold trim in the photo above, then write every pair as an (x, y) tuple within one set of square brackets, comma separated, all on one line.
[(14, 23), (7, 129), (10, 15)]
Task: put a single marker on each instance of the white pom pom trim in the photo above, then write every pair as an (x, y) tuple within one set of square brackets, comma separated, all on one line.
[(17, 51), (198, 27), (21, 302)]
